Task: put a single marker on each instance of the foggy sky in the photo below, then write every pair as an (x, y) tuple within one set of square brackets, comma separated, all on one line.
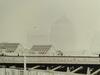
[(66, 24)]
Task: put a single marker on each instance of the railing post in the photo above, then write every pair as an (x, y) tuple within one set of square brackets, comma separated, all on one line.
[(5, 70), (24, 65), (68, 69), (88, 71)]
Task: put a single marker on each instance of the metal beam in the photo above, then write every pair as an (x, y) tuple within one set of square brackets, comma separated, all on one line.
[(50, 60), (95, 72), (35, 67), (56, 68), (77, 69), (13, 67)]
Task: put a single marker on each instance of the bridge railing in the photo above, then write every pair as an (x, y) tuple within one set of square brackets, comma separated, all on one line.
[(51, 59)]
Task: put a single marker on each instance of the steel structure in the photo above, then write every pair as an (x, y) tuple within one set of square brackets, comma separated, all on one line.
[(75, 64)]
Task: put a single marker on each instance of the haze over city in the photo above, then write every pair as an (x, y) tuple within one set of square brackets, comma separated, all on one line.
[(69, 25)]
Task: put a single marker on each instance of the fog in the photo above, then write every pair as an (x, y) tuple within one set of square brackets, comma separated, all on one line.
[(66, 24)]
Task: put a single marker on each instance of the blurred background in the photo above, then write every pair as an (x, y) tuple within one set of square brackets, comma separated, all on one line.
[(70, 25)]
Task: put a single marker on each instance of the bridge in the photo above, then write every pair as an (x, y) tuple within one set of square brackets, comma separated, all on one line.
[(73, 64)]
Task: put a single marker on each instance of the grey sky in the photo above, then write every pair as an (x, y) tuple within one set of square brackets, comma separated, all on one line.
[(67, 24)]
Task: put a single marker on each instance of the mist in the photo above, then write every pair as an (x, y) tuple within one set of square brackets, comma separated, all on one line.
[(66, 24)]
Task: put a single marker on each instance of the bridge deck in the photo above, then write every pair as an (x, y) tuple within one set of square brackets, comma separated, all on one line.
[(51, 59)]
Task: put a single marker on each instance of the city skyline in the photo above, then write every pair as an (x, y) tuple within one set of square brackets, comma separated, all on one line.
[(67, 24)]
